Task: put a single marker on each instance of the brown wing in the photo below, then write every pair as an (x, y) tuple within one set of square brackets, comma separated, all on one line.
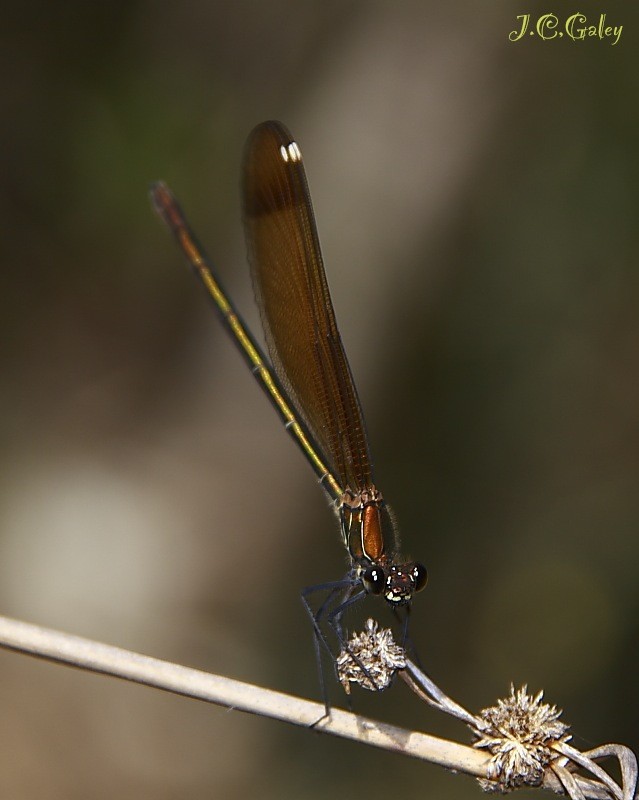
[(295, 304)]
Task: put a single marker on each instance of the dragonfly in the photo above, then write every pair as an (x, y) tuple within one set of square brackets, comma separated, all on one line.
[(306, 377)]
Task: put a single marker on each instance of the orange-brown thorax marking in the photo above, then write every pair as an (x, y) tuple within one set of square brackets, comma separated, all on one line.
[(362, 523), (372, 539)]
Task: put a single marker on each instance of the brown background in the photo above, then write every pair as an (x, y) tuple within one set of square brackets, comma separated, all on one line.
[(477, 204)]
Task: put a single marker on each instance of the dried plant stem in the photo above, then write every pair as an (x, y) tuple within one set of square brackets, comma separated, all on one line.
[(97, 657)]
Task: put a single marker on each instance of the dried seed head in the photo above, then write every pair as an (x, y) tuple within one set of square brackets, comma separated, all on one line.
[(520, 732), (370, 659)]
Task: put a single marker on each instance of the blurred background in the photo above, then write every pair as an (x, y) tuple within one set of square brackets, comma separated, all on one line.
[(476, 202)]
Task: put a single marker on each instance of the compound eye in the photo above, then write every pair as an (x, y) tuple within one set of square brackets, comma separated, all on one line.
[(420, 576), (374, 580)]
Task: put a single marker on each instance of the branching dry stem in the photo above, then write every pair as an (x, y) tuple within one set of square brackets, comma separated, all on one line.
[(98, 657)]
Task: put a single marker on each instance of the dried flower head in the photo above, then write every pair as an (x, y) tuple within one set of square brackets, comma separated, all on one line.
[(370, 659), (520, 732)]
